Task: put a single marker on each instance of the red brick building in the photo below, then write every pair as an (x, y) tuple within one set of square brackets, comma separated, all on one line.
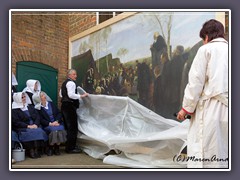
[(43, 37)]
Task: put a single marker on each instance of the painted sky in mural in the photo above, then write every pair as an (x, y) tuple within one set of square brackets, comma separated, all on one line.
[(135, 34)]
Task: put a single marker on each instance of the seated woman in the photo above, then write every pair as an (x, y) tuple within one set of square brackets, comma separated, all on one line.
[(51, 120), (32, 87), (26, 122)]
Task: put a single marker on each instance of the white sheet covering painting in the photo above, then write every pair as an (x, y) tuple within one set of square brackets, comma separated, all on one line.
[(139, 137)]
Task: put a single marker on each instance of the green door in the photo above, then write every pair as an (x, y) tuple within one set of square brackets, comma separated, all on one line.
[(41, 72)]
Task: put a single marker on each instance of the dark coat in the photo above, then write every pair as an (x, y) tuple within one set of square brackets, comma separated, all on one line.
[(157, 49), (30, 96), (45, 119), (160, 44), (20, 119), (158, 94)]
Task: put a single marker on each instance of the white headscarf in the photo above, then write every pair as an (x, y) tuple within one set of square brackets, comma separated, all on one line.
[(14, 80), (17, 100), (37, 99), (30, 86)]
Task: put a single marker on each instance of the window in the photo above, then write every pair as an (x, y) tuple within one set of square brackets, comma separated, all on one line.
[(105, 15)]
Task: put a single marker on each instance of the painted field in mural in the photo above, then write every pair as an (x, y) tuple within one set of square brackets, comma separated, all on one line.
[(146, 56)]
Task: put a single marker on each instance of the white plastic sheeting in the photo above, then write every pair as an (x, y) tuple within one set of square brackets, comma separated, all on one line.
[(138, 137)]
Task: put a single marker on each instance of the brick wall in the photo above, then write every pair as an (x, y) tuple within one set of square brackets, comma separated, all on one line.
[(81, 21), (44, 37)]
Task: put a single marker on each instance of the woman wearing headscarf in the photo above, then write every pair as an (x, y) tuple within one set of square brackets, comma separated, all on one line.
[(51, 120), (32, 87), (26, 122)]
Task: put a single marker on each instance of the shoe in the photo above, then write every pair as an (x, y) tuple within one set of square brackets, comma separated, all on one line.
[(56, 150), (36, 153), (45, 149), (40, 151), (72, 151), (32, 154), (50, 151)]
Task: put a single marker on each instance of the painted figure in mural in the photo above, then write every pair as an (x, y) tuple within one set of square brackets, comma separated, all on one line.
[(157, 92), (70, 103), (109, 85), (167, 85), (206, 99), (98, 90), (157, 48), (187, 65), (174, 76), (51, 121), (160, 99), (26, 122), (89, 81), (114, 84), (32, 87), (144, 80), (104, 86)]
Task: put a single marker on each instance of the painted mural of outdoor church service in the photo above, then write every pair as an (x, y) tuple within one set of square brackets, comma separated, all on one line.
[(146, 56)]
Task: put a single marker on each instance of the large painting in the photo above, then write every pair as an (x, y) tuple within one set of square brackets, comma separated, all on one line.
[(146, 56)]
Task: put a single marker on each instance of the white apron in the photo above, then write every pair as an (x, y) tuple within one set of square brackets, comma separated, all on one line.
[(208, 135)]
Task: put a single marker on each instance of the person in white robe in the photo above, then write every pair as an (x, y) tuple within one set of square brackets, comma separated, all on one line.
[(206, 99)]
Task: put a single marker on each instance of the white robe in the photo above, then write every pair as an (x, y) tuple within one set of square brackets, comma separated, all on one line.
[(206, 95)]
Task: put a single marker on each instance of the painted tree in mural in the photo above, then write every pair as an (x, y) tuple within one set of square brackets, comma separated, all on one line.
[(104, 34), (94, 43), (159, 22), (97, 42), (122, 52), (83, 47), (165, 19)]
